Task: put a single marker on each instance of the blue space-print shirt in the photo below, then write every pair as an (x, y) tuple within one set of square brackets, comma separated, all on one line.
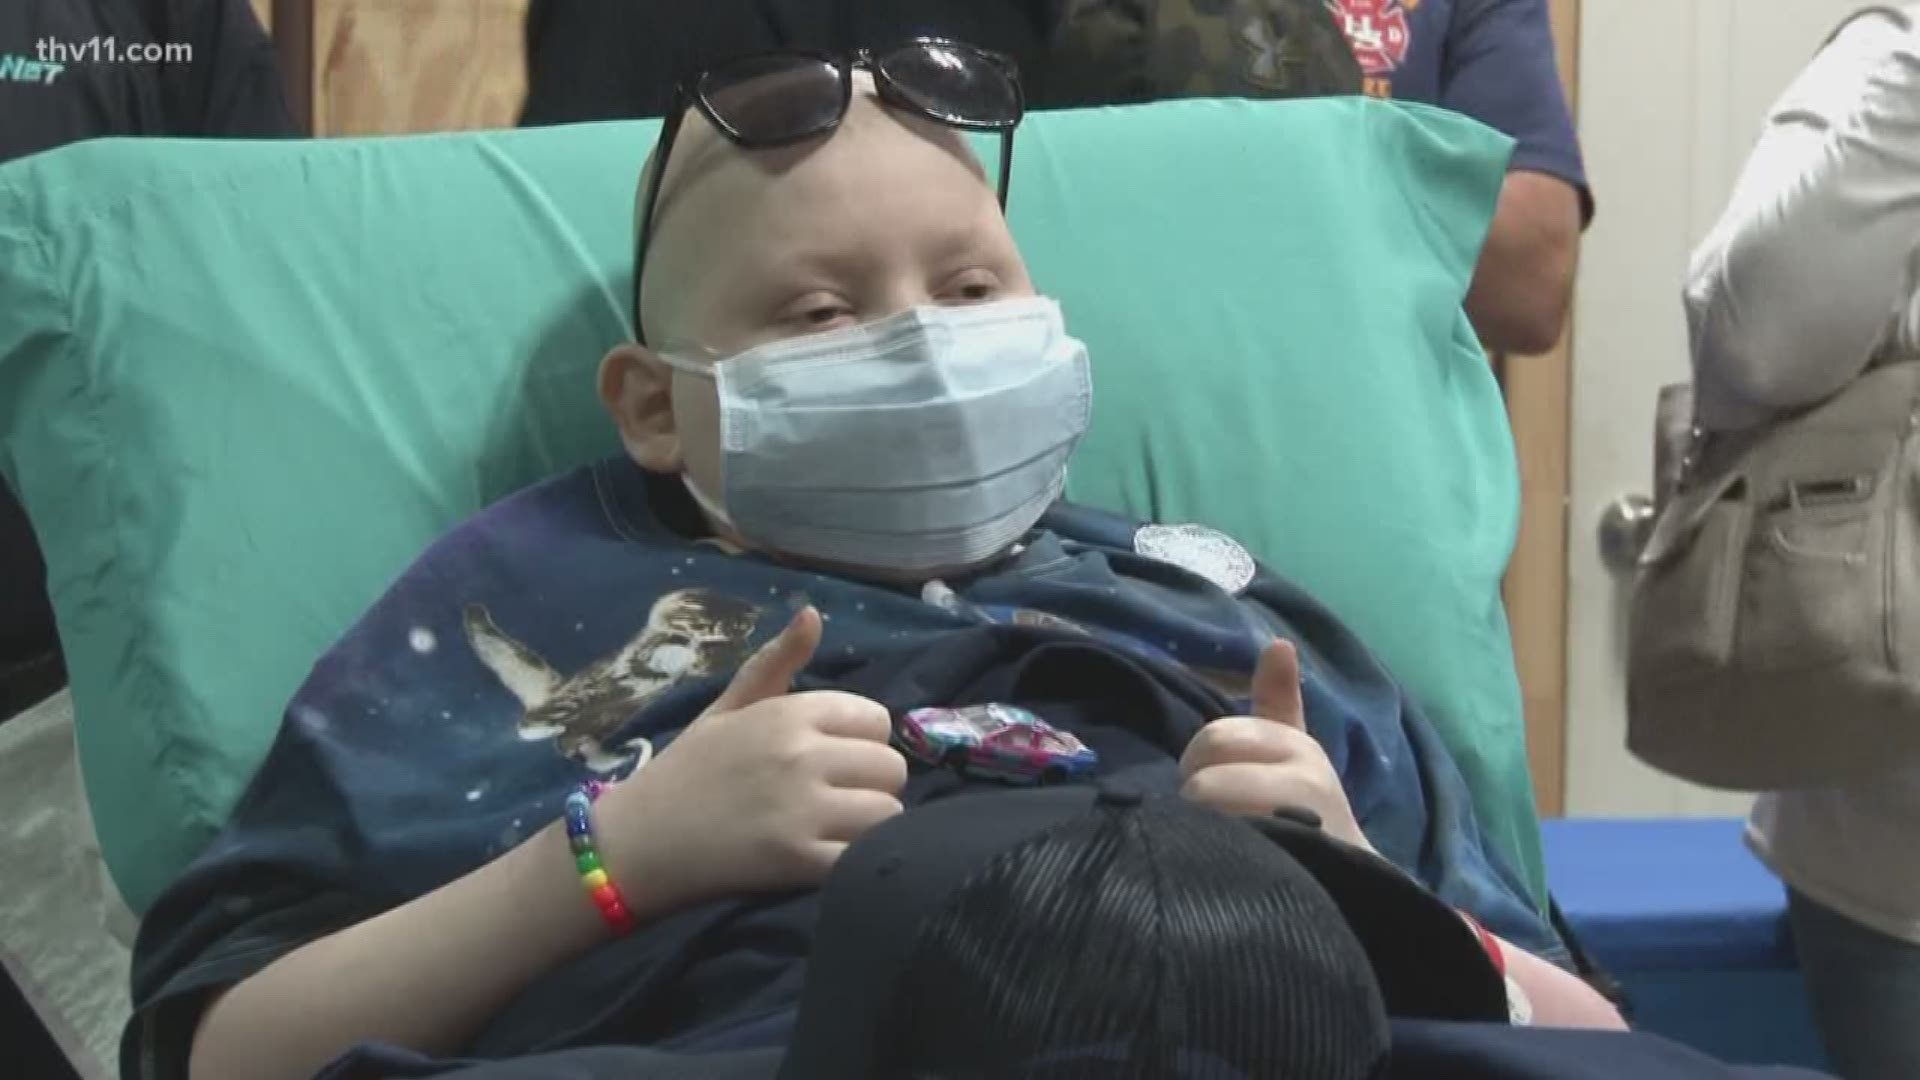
[(561, 633)]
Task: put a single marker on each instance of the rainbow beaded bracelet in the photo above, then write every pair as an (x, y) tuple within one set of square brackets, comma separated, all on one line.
[(600, 888)]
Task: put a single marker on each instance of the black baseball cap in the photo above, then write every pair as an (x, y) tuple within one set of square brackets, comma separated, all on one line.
[(1098, 931)]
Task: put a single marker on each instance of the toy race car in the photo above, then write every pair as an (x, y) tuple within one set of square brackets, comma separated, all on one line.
[(1000, 742)]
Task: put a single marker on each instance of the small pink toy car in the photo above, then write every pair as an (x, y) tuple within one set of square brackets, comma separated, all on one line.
[(1002, 742)]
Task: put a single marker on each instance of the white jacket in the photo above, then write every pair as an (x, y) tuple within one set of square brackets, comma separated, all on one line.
[(1813, 274)]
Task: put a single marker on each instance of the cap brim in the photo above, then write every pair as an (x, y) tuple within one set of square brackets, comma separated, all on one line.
[(1429, 963)]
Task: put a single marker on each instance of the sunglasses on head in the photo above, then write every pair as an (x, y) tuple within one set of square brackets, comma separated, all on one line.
[(771, 100)]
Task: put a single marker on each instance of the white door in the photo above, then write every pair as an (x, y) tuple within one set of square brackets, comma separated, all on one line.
[(1672, 95)]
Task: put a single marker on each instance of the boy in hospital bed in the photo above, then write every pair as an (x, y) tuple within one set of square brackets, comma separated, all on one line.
[(575, 777)]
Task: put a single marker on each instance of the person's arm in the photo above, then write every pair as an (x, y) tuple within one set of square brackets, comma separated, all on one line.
[(760, 794), (1557, 997), (1250, 765), (1500, 68), (426, 975), (1794, 291), (1523, 283)]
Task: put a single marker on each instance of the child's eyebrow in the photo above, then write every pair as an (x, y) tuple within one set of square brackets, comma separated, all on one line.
[(818, 261), (958, 239)]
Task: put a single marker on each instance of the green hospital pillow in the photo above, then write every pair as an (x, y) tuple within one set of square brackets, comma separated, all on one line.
[(1281, 353), (243, 385)]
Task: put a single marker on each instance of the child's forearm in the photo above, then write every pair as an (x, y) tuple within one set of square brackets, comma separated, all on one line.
[(1557, 997), (426, 975)]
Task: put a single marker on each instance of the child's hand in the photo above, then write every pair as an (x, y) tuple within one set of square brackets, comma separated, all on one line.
[(1251, 766), (761, 793)]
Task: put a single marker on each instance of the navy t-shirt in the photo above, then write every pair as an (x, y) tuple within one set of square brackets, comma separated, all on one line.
[(1492, 60), (566, 631)]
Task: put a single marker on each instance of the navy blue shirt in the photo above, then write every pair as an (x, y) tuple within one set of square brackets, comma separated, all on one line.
[(1492, 60), (186, 69), (562, 633)]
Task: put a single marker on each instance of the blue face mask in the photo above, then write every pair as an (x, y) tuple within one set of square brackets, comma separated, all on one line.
[(928, 440)]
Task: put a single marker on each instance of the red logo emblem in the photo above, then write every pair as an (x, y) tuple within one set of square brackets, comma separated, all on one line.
[(1378, 30)]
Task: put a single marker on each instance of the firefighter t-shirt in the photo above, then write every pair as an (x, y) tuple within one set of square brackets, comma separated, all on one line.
[(1492, 60)]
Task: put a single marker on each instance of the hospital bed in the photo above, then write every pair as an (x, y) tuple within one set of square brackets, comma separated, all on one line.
[(1676, 910)]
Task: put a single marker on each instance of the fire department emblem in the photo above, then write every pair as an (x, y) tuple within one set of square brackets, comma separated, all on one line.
[(1379, 32)]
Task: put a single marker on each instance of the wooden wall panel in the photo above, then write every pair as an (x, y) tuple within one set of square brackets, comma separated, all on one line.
[(1539, 400), (398, 66)]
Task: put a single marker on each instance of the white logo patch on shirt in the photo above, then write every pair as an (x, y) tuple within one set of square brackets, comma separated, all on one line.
[(1197, 549)]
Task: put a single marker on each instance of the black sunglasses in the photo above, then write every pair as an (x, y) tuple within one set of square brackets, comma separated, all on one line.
[(777, 99)]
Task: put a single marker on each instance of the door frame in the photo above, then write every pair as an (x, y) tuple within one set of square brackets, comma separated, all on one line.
[(1539, 404)]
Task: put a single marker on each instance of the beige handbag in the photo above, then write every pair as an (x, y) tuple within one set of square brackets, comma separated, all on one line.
[(1775, 630)]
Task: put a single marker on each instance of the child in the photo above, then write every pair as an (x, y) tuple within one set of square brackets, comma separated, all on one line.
[(845, 436)]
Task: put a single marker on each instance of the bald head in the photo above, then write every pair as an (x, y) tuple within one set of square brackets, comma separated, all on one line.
[(888, 211)]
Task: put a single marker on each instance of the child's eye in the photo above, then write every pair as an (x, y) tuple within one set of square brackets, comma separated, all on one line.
[(972, 287), (818, 312)]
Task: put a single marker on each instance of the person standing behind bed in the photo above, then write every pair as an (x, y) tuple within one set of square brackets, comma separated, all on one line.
[(1812, 276), (226, 85), (1492, 60), (619, 59), (229, 85)]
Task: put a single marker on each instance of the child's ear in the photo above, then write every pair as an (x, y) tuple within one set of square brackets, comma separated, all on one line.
[(638, 391)]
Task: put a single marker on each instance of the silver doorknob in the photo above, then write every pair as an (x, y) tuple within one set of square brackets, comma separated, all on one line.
[(1625, 527)]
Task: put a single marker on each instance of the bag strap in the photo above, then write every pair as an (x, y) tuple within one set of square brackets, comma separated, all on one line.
[(1585, 966), (1694, 467), (1676, 440)]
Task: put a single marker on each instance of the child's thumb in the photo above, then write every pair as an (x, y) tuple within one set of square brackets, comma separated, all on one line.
[(1276, 685), (770, 671)]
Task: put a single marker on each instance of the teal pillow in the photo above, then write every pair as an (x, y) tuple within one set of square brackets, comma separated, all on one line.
[(243, 385), (1274, 312)]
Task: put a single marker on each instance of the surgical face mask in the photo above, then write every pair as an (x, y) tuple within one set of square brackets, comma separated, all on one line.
[(931, 439)]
